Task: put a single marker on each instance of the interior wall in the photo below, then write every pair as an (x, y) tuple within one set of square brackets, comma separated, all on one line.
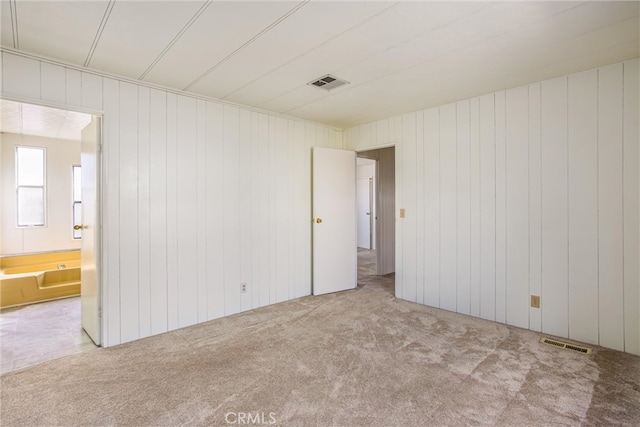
[(61, 155), (198, 197), (528, 191), (368, 171)]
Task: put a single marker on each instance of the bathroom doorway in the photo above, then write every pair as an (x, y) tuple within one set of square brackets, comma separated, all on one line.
[(40, 252)]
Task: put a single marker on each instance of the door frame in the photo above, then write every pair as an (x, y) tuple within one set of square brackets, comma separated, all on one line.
[(377, 198), (101, 284)]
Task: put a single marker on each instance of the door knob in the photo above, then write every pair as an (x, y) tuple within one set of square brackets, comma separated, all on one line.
[(318, 220), (77, 227)]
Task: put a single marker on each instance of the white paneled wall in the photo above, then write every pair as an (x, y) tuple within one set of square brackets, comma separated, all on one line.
[(528, 191), (198, 197)]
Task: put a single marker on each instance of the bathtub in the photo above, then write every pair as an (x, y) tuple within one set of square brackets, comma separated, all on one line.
[(29, 278)]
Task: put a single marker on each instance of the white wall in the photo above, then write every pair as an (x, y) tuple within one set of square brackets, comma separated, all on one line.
[(366, 169), (532, 190), (198, 197), (61, 155)]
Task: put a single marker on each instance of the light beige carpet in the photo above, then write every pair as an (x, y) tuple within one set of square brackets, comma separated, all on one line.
[(356, 358)]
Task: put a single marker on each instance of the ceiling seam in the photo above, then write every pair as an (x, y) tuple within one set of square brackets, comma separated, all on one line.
[(312, 49), (247, 43), (176, 38), (96, 40), (13, 6)]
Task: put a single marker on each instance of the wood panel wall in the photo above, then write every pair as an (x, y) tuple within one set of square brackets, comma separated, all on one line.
[(528, 191), (198, 197)]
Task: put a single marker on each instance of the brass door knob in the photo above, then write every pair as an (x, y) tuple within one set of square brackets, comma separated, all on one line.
[(77, 227), (318, 220)]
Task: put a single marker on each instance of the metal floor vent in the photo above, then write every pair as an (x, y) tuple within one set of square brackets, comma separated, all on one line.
[(328, 82), (579, 349)]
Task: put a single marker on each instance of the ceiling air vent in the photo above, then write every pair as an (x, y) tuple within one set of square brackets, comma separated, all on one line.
[(328, 82)]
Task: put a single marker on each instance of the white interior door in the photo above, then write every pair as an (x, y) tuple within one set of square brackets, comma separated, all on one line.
[(363, 196), (335, 261), (89, 288)]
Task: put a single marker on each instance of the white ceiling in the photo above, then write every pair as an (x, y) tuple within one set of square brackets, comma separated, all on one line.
[(27, 119), (397, 56)]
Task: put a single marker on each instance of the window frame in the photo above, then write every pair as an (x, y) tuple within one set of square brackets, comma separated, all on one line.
[(43, 187)]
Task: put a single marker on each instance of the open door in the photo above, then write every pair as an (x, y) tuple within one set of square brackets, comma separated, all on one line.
[(89, 288), (335, 256)]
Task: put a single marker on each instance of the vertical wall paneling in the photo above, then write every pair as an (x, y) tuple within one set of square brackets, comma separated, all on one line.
[(21, 76), (230, 208), (432, 206), (554, 297), (111, 213), (244, 213), (583, 206), (501, 207), (254, 169), (281, 210), (292, 182), (263, 186), (158, 210), (487, 208), (172, 213), (395, 134), (91, 89), (409, 240), (610, 206), (144, 230), (301, 218), (187, 196), (52, 82), (474, 166), (201, 208), (129, 262), (306, 172), (259, 251), (631, 214), (535, 207), (176, 185), (271, 220), (73, 86), (381, 136), (214, 221), (448, 207), (420, 206), (517, 207), (463, 255)]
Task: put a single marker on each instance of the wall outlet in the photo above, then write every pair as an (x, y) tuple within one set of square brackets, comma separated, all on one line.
[(535, 301), (243, 288)]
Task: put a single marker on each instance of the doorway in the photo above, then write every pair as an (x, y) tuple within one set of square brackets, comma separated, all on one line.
[(376, 255), (40, 252)]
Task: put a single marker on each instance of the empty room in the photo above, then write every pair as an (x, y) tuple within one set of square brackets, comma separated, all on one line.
[(347, 213)]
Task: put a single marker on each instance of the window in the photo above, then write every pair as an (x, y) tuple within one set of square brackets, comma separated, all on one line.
[(30, 186), (77, 201)]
